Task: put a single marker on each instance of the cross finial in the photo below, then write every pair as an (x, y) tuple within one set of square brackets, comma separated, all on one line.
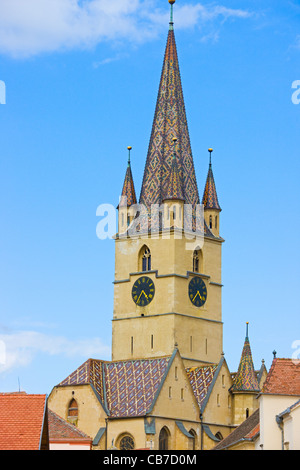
[(210, 152), (171, 14), (129, 149)]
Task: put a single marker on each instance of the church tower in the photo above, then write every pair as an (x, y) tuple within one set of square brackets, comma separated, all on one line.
[(167, 286)]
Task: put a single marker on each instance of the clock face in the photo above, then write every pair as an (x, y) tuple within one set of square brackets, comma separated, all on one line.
[(197, 292), (143, 291)]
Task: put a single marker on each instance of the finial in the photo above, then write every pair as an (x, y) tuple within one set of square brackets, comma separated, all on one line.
[(247, 325), (171, 14), (274, 354), (129, 148), (210, 152)]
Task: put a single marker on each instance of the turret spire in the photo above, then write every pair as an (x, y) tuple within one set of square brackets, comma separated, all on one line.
[(210, 198), (245, 379), (128, 196)]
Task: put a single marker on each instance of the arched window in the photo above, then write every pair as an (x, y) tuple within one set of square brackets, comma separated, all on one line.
[(194, 434), (126, 443), (73, 411), (197, 261), (210, 221), (164, 439), (247, 413), (145, 257)]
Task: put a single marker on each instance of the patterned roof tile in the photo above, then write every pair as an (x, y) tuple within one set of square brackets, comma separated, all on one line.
[(127, 387), (210, 198), (246, 379), (128, 196), (169, 121), (200, 379)]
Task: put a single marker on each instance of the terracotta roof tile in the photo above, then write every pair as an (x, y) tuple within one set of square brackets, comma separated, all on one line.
[(283, 377), (61, 430), (244, 432), (22, 419)]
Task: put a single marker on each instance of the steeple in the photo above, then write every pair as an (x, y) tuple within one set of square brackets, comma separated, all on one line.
[(245, 379), (210, 198), (128, 197), (169, 121), (174, 187)]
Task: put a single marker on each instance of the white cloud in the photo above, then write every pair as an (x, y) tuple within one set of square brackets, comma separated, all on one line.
[(31, 27), (20, 349)]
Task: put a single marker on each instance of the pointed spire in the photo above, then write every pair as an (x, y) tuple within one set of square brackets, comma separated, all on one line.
[(128, 196), (210, 198), (169, 120), (171, 24), (245, 379), (174, 188)]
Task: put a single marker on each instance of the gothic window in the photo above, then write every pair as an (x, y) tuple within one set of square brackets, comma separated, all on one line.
[(197, 261), (126, 443), (219, 436), (210, 221), (164, 439), (73, 411), (216, 222), (145, 259), (247, 413), (194, 434)]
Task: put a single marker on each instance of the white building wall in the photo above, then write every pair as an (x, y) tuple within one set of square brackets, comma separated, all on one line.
[(271, 405)]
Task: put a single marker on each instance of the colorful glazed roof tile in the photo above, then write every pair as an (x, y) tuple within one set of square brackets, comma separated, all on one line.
[(23, 422), (61, 430), (200, 379), (90, 372), (131, 385), (174, 187), (128, 197), (210, 198), (283, 377), (125, 388), (169, 121), (245, 379)]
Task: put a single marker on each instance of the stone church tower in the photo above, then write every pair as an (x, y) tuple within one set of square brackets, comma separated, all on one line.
[(168, 385), (184, 303)]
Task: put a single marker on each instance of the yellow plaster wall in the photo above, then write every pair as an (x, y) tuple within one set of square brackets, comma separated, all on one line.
[(91, 416), (242, 402), (172, 263)]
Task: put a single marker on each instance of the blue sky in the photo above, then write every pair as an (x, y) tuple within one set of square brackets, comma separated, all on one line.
[(81, 84)]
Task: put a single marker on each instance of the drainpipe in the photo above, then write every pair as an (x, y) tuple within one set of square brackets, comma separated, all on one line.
[(279, 421), (106, 425), (201, 420)]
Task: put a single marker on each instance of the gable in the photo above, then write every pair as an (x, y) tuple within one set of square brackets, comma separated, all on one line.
[(124, 388), (176, 397)]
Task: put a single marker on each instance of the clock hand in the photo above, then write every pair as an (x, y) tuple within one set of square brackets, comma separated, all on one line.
[(143, 292)]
